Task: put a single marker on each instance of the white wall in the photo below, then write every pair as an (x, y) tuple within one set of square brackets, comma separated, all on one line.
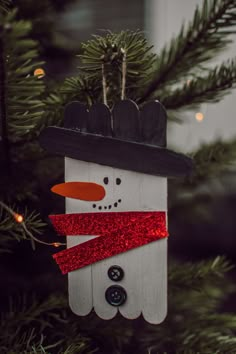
[(163, 19)]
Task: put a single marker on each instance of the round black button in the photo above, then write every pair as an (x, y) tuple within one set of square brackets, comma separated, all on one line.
[(116, 295), (115, 273)]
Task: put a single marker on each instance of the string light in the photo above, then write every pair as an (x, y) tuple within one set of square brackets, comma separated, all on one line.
[(20, 219), (56, 244), (39, 72), (199, 116)]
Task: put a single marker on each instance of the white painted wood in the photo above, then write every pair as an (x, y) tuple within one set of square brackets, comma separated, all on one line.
[(132, 283), (154, 281), (79, 281), (100, 279), (128, 193), (145, 268), (154, 255)]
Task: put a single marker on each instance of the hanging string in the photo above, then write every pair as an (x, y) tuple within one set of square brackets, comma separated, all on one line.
[(20, 219), (104, 85), (124, 70)]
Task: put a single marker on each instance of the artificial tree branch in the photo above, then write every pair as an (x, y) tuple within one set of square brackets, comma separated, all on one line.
[(5, 153), (209, 88), (24, 88), (205, 36), (14, 226), (213, 158), (125, 51), (4, 5)]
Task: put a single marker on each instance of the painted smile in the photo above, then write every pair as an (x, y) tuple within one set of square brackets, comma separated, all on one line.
[(110, 206)]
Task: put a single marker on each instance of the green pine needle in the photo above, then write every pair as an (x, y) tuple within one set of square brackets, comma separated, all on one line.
[(23, 90), (209, 88), (204, 37), (85, 89), (109, 51), (40, 319), (4, 5), (195, 276), (211, 159), (11, 231)]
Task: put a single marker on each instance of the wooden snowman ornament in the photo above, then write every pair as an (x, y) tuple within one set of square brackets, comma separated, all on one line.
[(116, 169)]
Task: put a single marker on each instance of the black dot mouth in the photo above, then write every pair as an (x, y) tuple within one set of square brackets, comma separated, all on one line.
[(107, 207)]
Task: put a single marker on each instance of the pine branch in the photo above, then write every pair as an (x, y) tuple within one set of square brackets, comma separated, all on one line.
[(54, 109), (195, 276), (11, 231), (4, 144), (83, 88), (27, 309), (211, 159), (202, 334), (28, 342), (48, 321), (109, 51), (29, 313), (195, 314), (4, 5), (212, 338), (205, 36), (23, 90), (210, 88), (80, 348)]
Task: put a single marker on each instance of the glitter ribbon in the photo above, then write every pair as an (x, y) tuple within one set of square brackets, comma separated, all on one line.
[(119, 231)]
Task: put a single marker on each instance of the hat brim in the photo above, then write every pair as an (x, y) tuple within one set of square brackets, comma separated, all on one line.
[(109, 151)]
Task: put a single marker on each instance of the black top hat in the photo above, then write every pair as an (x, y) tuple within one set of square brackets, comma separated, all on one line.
[(125, 138)]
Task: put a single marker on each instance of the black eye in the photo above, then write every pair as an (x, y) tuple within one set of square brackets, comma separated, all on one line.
[(106, 180), (118, 181)]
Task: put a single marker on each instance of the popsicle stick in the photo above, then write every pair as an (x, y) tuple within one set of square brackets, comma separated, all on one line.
[(122, 195), (79, 281), (126, 123), (154, 281), (130, 261), (132, 283), (99, 120), (153, 120), (76, 116), (102, 175), (154, 255)]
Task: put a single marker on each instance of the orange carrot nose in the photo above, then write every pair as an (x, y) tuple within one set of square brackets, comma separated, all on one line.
[(80, 190)]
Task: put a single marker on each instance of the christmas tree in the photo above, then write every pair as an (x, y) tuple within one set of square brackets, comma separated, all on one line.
[(35, 317)]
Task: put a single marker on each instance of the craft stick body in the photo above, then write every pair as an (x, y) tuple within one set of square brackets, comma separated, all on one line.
[(145, 268), (123, 156)]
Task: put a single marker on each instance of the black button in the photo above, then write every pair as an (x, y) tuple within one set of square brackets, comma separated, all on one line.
[(115, 273), (116, 295)]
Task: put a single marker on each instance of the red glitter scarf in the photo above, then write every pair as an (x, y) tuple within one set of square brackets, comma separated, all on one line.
[(120, 231)]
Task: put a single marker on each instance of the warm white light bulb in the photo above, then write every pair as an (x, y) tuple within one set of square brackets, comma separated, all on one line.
[(19, 218), (39, 72), (199, 116)]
